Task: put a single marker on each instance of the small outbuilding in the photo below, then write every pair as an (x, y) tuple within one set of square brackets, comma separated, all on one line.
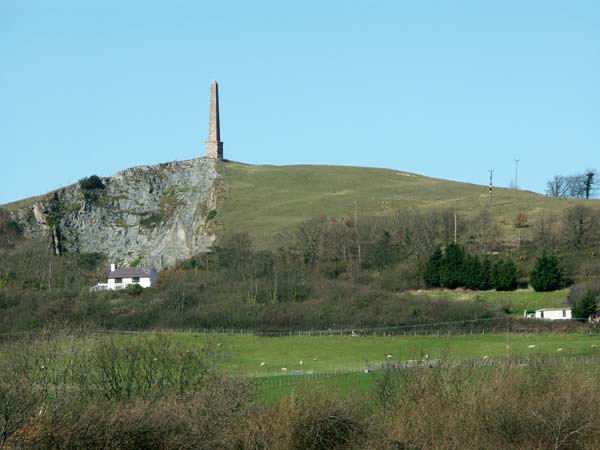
[(550, 314), (121, 277)]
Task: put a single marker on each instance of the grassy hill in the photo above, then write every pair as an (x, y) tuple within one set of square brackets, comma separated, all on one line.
[(263, 200)]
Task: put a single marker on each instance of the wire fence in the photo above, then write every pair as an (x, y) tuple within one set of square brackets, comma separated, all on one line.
[(494, 325), (296, 378)]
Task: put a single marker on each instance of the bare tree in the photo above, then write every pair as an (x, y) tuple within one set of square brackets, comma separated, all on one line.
[(580, 227), (583, 185), (557, 186)]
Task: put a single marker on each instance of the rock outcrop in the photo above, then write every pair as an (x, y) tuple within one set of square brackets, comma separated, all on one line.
[(149, 216)]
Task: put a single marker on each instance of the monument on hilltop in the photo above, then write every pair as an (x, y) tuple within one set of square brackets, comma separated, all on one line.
[(214, 146)]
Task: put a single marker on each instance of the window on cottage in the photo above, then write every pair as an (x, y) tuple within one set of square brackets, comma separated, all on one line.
[(564, 313), (136, 279), (542, 314), (118, 280)]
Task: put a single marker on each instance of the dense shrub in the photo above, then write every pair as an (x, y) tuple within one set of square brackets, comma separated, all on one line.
[(547, 274), (91, 187), (10, 231)]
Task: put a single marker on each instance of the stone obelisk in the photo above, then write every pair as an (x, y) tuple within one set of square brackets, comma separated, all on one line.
[(214, 146)]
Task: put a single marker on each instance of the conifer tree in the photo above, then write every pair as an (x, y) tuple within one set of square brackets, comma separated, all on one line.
[(452, 267), (586, 306), (547, 274), (504, 275), (431, 276)]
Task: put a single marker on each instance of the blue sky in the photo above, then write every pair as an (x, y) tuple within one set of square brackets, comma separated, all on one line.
[(447, 89)]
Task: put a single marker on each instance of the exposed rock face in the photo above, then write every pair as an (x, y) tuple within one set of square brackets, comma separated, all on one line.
[(149, 216)]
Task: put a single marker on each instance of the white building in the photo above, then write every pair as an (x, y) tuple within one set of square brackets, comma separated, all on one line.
[(121, 277), (550, 314)]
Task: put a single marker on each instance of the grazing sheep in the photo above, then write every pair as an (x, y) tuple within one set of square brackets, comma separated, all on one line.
[(262, 364), (284, 369)]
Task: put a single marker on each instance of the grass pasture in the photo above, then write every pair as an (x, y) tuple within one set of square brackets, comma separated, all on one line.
[(245, 353), (515, 302), (265, 200)]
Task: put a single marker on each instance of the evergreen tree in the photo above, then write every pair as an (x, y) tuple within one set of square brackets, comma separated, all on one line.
[(485, 281), (547, 274), (586, 306), (452, 267), (472, 272), (431, 276), (504, 275)]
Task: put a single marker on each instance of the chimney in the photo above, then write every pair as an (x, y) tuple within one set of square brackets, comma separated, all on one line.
[(112, 267)]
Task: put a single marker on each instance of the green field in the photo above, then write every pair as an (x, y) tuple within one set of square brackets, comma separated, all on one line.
[(264, 200), (245, 353), (514, 301)]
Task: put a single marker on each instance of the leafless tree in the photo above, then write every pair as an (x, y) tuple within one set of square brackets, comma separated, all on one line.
[(582, 185), (557, 186), (580, 227)]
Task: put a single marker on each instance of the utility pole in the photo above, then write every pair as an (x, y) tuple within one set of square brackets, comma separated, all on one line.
[(491, 187), (455, 228), (516, 174), (356, 229)]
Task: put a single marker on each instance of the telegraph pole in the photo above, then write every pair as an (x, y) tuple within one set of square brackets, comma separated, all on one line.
[(455, 228), (491, 187), (516, 174)]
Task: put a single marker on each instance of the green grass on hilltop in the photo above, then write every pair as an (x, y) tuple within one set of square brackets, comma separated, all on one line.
[(264, 200)]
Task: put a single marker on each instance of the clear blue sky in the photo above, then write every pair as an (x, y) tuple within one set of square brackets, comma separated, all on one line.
[(447, 89)]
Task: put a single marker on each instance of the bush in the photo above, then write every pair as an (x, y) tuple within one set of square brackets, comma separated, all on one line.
[(151, 220), (91, 188), (547, 274), (134, 289)]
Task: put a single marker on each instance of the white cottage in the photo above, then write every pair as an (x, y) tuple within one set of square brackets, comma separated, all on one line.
[(550, 314), (121, 277)]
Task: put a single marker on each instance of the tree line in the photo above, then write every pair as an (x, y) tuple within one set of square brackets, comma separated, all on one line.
[(581, 185)]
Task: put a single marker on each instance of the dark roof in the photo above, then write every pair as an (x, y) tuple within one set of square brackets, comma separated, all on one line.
[(128, 272)]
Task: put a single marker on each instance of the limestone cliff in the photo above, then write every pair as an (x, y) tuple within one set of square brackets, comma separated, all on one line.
[(146, 216)]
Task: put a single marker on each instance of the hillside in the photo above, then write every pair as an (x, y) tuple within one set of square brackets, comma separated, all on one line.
[(263, 200), (155, 215)]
